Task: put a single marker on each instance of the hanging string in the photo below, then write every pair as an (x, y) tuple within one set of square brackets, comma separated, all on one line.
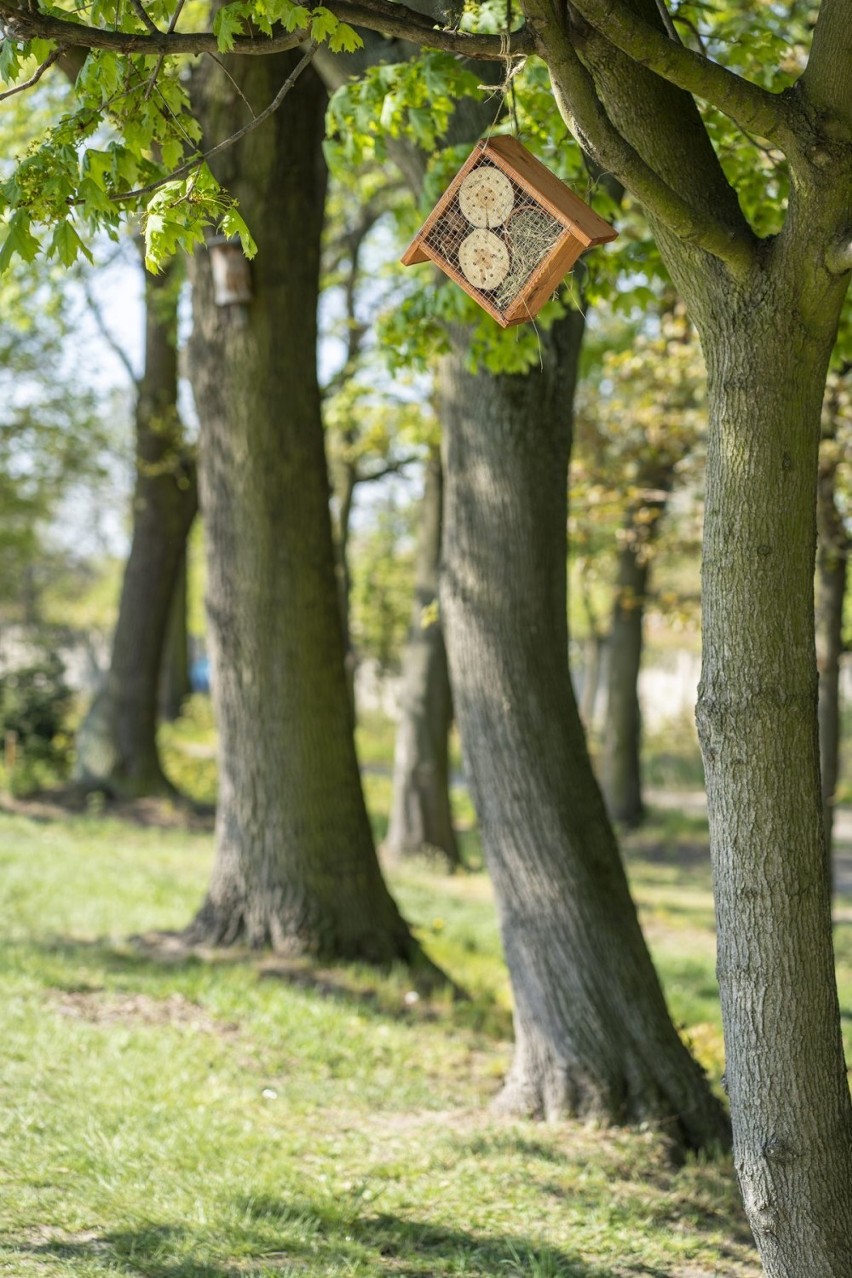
[(511, 72), (506, 89)]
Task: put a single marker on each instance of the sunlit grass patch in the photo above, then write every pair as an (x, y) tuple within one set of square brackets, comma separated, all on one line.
[(183, 1114)]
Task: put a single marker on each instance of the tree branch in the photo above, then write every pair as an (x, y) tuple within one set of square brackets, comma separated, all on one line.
[(754, 109), (387, 468), (578, 102), (35, 77), (667, 21), (257, 120), (144, 17), (827, 79), (234, 85), (388, 18), (104, 330)]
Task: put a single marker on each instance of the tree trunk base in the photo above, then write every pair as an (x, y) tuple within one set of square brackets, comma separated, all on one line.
[(105, 766), (444, 859), (315, 934), (153, 784), (553, 1091), (630, 818)]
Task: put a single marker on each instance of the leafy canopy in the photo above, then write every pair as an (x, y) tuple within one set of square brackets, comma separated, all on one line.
[(120, 141)]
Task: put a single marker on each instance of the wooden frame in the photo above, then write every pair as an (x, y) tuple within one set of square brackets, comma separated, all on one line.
[(577, 228)]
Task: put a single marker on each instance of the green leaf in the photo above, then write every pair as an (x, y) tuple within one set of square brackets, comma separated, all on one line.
[(94, 198), (9, 62), (67, 245), (99, 166), (19, 239), (172, 152), (345, 39), (234, 224), (227, 24), (40, 49), (295, 16), (323, 24)]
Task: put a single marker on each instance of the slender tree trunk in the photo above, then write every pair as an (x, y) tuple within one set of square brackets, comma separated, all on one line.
[(832, 565), (592, 663), (174, 672), (117, 743), (758, 726), (295, 863), (421, 816), (622, 761), (593, 1035), (344, 482)]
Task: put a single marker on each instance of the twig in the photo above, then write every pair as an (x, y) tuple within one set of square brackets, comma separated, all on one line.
[(174, 120), (157, 69), (34, 78), (144, 17), (388, 468), (690, 26), (234, 84), (116, 348), (228, 142), (173, 21), (667, 21)]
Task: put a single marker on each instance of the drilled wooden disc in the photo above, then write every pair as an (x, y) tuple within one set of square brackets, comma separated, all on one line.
[(486, 197), (484, 259)]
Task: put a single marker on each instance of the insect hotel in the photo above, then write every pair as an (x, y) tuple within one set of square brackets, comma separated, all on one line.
[(507, 231)]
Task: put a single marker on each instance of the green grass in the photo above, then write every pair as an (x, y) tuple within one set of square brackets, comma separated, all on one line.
[(178, 1115)]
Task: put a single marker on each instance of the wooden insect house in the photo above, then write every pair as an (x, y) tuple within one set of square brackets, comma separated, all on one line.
[(507, 231)]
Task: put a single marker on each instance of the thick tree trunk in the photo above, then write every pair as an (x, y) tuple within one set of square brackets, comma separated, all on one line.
[(174, 671), (622, 762), (421, 816), (767, 309), (832, 565), (295, 863), (758, 726), (117, 742), (593, 1035)]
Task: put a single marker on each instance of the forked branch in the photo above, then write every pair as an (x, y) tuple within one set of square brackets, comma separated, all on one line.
[(753, 108), (584, 113)]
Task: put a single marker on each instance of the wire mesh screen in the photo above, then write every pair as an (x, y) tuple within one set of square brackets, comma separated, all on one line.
[(494, 234)]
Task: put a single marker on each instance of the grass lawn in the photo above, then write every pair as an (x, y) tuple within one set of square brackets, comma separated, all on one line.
[(180, 1114)]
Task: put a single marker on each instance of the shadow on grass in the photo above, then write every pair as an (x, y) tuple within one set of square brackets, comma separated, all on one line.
[(69, 803), (655, 1189), (392, 993), (681, 854), (279, 1237), (132, 954)]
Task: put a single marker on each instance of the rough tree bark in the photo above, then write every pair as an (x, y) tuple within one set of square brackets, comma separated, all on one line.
[(832, 569), (117, 741), (593, 1035), (757, 723), (295, 863), (622, 757), (421, 816), (767, 312)]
